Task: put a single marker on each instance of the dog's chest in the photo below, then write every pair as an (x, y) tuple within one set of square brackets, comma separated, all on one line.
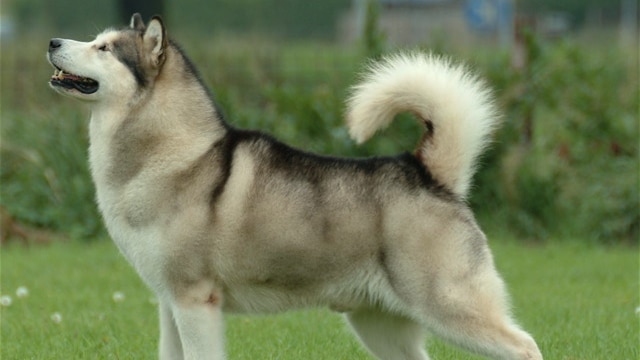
[(142, 250), (130, 214)]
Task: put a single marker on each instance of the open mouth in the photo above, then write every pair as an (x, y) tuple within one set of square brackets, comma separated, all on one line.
[(71, 81)]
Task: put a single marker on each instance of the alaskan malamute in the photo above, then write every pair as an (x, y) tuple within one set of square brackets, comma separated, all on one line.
[(217, 219)]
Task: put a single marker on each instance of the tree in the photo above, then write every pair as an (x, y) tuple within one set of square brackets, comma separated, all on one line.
[(146, 8)]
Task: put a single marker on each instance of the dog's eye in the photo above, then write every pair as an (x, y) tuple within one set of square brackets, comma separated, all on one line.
[(103, 48)]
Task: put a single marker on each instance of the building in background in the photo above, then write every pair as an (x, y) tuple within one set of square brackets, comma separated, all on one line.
[(491, 22), (411, 22)]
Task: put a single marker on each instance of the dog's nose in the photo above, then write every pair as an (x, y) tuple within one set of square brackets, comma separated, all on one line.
[(54, 44)]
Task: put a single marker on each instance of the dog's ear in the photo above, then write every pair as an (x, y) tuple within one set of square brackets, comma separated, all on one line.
[(155, 41), (136, 22)]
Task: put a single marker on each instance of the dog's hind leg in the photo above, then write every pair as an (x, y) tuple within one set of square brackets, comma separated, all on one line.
[(170, 344), (447, 281), (468, 307), (473, 314), (388, 336)]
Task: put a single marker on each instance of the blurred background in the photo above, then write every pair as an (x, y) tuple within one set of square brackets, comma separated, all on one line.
[(565, 73)]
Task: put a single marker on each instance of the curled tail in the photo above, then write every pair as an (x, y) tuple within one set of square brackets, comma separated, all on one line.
[(455, 106)]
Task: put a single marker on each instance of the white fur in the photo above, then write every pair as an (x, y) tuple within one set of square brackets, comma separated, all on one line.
[(457, 103)]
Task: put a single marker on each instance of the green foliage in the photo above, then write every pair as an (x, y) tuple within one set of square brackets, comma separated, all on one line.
[(566, 159), (536, 200), (68, 17), (374, 38), (44, 173), (290, 19), (576, 171), (578, 10)]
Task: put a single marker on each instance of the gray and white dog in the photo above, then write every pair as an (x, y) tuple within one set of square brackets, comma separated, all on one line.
[(216, 219)]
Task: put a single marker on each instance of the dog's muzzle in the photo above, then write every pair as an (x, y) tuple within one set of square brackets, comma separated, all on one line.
[(65, 79)]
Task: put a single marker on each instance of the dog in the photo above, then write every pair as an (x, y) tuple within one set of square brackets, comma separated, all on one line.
[(218, 219)]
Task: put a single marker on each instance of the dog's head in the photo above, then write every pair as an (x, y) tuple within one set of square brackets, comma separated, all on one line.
[(114, 66)]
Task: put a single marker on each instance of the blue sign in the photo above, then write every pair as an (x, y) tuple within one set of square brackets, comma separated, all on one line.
[(488, 15)]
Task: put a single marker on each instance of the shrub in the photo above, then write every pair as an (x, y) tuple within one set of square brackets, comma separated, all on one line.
[(576, 173), (577, 169), (44, 173)]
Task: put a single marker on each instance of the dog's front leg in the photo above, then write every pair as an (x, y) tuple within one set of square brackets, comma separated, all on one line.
[(199, 321), (170, 343)]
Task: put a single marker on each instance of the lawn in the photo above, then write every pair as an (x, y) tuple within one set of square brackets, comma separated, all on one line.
[(578, 301)]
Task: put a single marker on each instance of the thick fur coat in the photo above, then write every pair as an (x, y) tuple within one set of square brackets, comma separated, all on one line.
[(216, 219)]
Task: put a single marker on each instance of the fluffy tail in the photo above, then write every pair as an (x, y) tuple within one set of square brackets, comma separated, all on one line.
[(455, 106)]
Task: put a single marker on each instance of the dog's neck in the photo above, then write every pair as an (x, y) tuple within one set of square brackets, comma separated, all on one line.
[(173, 100), (154, 125)]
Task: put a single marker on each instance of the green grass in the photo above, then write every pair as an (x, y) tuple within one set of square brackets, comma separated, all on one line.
[(577, 300)]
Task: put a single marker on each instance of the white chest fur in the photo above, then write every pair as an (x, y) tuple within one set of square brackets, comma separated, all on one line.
[(139, 246), (135, 164)]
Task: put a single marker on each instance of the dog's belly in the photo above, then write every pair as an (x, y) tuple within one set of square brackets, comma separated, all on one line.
[(273, 274), (349, 291), (264, 299)]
